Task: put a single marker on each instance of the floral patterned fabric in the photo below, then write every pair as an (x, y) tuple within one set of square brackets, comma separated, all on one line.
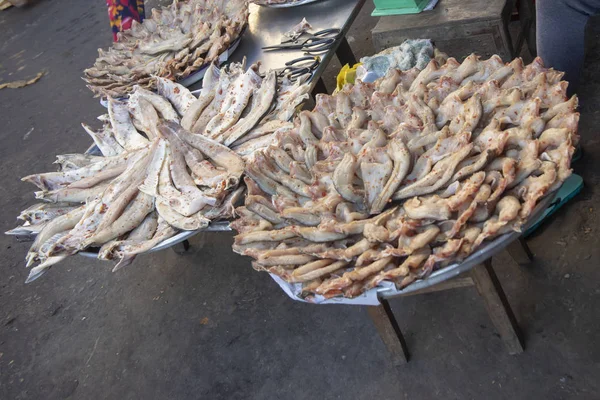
[(122, 13)]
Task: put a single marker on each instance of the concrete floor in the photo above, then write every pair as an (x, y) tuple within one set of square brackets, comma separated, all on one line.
[(205, 325)]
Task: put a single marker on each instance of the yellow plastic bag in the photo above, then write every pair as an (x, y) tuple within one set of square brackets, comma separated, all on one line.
[(346, 75)]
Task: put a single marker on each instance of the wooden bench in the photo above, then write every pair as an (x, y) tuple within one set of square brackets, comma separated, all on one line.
[(457, 27)]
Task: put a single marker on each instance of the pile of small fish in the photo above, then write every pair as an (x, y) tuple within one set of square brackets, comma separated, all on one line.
[(155, 178), (175, 42), (391, 180)]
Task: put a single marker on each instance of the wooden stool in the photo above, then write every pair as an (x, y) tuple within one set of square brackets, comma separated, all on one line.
[(485, 280), (457, 27)]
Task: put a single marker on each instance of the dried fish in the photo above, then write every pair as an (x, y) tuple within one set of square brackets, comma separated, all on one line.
[(443, 145), (155, 177), (172, 43)]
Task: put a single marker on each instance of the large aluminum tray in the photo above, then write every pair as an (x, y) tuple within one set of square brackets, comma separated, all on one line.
[(217, 226)]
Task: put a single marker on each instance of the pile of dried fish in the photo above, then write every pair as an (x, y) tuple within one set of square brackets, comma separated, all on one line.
[(155, 177), (175, 42), (128, 203), (390, 180), (241, 109)]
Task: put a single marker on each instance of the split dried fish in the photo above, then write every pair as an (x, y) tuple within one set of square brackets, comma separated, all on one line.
[(155, 177)]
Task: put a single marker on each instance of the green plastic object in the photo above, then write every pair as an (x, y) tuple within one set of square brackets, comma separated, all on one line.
[(398, 7), (571, 187)]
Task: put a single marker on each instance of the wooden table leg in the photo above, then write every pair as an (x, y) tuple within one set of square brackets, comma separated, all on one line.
[(497, 306), (520, 252), (344, 53), (390, 333), (319, 87)]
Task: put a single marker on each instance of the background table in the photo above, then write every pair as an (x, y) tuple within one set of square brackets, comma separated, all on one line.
[(458, 28)]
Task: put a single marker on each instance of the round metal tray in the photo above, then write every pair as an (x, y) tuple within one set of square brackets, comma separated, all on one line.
[(217, 226), (388, 289)]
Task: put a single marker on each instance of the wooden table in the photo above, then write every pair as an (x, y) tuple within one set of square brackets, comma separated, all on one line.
[(457, 27)]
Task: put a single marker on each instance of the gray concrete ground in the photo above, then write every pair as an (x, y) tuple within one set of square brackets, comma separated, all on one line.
[(205, 325)]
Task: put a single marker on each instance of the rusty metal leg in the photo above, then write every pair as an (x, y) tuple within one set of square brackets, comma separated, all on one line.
[(390, 333), (497, 306), (319, 87), (181, 248), (520, 252), (344, 53)]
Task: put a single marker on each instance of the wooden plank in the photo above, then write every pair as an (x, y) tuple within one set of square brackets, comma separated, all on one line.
[(497, 306), (319, 88), (482, 38), (389, 331), (446, 12)]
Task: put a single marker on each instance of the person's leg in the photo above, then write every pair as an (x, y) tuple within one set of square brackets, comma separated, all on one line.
[(561, 34)]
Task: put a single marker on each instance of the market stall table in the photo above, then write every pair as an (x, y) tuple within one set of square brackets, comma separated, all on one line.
[(266, 27)]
